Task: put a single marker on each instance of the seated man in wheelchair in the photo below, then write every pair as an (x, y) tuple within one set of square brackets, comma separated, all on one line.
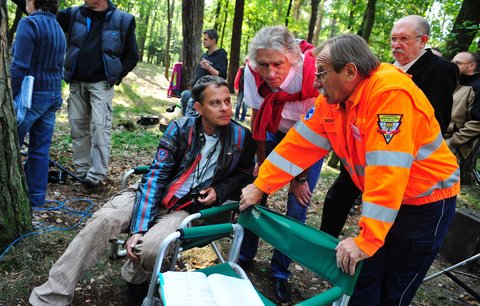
[(200, 161)]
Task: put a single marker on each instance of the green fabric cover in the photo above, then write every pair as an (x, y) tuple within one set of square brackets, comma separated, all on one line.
[(307, 246)]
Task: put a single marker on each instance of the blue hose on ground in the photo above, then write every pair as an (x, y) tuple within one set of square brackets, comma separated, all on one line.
[(61, 206)]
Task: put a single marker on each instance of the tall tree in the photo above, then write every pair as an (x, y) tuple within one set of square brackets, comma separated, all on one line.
[(288, 12), (13, 28), (170, 10), (192, 21), (465, 28), (318, 24), (224, 24), (368, 20), (313, 20), (236, 40), (15, 213)]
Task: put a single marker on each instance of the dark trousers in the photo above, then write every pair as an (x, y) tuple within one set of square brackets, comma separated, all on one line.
[(394, 273), (338, 202)]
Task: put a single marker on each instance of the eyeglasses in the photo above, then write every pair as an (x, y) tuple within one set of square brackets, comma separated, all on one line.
[(321, 75), (461, 63), (402, 39)]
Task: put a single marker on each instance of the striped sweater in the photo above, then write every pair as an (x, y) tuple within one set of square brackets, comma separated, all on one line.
[(39, 50)]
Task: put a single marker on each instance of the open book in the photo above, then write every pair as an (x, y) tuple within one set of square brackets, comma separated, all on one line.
[(195, 288)]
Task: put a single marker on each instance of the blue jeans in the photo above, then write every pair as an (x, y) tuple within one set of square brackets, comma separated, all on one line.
[(280, 262), (394, 273), (39, 124), (242, 105)]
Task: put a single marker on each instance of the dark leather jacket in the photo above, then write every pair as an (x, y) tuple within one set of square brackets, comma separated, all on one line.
[(178, 148)]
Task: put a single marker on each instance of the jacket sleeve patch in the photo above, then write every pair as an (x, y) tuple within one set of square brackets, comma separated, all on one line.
[(166, 143), (389, 125), (310, 113), (162, 155)]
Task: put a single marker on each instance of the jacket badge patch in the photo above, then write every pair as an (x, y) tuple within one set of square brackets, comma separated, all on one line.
[(388, 125), (162, 155), (310, 113)]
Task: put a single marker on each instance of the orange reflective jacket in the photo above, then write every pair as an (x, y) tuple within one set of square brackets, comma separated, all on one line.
[(388, 139)]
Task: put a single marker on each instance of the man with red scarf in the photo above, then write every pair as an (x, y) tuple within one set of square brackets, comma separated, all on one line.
[(279, 88)]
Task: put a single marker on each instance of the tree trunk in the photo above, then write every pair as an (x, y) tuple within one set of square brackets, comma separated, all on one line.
[(13, 28), (216, 24), (288, 12), (15, 212), (169, 36), (368, 20), (351, 16), (313, 20), (192, 21), (464, 29), (224, 24), (318, 26), (236, 40)]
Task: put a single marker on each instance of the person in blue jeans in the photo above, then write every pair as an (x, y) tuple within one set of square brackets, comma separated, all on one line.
[(278, 85), (38, 51)]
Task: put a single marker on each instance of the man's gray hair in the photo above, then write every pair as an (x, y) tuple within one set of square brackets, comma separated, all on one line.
[(204, 82), (277, 38), (350, 48)]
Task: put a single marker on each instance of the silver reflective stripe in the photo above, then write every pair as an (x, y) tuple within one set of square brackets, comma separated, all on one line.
[(312, 137), (359, 170), (378, 212), (284, 164), (449, 182), (389, 158), (426, 150), (346, 165)]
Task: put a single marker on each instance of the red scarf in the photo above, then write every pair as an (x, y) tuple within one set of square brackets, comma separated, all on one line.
[(270, 113)]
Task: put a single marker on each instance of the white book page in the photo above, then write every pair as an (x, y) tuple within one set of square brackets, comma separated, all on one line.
[(233, 291), (186, 288)]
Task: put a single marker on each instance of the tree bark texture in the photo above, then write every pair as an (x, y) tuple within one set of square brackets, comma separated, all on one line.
[(313, 20), (465, 28), (368, 20), (15, 211), (13, 28), (236, 40), (192, 17)]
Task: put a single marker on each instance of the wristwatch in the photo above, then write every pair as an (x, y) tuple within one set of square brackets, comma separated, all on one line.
[(300, 180)]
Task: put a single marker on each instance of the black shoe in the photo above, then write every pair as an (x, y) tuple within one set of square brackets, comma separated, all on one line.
[(246, 265), (136, 293), (281, 289)]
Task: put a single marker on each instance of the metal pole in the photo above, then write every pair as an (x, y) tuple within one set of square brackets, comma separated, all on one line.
[(452, 267)]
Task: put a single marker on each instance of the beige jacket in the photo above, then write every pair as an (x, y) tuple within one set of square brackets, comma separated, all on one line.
[(463, 132)]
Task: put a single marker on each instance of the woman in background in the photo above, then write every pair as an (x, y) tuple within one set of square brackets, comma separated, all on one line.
[(38, 51)]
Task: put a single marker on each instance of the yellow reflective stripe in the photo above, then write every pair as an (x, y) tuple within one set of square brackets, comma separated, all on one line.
[(311, 136), (284, 164), (389, 158), (443, 184), (426, 150), (378, 212)]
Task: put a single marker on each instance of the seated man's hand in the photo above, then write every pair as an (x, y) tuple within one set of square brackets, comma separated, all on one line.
[(251, 195), (131, 244), (208, 196)]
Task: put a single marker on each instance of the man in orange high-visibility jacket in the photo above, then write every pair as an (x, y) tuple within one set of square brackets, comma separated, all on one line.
[(384, 130)]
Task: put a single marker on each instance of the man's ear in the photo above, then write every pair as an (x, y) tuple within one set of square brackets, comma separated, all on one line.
[(350, 71), (198, 108), (423, 40)]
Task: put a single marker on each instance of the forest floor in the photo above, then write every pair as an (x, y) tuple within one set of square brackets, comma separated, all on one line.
[(27, 263)]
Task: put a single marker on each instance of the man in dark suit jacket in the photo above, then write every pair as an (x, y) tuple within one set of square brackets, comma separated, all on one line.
[(436, 77)]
